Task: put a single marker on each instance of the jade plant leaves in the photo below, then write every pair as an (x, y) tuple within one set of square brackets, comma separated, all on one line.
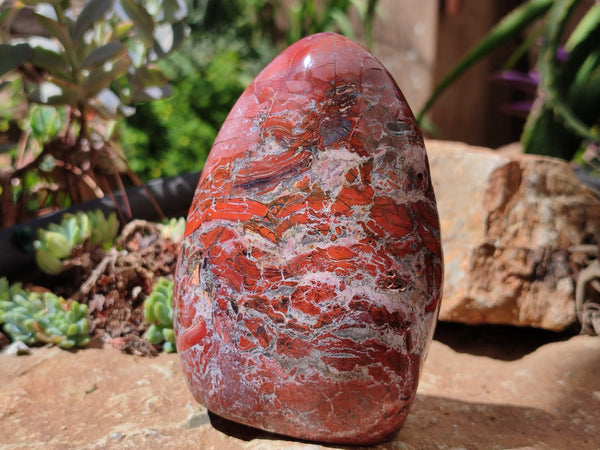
[(100, 55), (91, 12), (142, 21), (12, 56)]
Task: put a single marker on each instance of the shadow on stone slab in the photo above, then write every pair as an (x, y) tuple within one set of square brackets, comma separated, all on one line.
[(238, 430), (503, 342), (439, 422), (245, 433)]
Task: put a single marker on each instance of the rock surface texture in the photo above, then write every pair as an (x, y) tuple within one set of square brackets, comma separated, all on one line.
[(310, 275), (509, 225), (487, 394)]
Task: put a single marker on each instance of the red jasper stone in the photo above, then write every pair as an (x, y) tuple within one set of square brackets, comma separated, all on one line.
[(309, 280)]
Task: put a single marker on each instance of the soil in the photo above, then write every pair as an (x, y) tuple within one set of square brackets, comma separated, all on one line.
[(114, 283)]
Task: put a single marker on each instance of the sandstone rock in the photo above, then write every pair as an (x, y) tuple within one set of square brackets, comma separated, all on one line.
[(100, 398), (508, 224)]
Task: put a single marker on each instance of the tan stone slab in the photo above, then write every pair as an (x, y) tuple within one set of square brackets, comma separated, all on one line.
[(100, 398)]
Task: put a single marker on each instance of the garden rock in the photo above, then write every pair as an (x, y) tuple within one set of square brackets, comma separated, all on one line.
[(510, 226), (483, 396)]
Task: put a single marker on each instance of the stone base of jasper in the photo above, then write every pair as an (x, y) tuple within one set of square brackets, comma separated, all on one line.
[(309, 279)]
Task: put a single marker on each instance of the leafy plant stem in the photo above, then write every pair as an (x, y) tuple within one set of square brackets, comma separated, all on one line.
[(82, 125), (523, 49), (508, 27), (60, 15), (368, 23)]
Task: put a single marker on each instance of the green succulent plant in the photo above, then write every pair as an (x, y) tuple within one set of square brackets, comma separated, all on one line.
[(32, 317), (103, 229), (173, 229), (158, 312), (56, 243)]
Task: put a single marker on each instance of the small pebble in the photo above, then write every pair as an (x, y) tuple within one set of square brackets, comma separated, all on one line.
[(17, 348), (117, 436)]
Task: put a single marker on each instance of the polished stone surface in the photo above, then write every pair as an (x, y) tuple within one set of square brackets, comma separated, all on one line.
[(310, 275)]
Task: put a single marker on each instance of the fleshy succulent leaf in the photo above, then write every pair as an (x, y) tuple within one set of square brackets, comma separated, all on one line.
[(158, 312), (33, 317)]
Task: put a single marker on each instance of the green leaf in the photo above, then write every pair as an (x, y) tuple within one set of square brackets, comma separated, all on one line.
[(149, 311), (108, 105), (142, 21), (137, 52), (149, 76), (45, 122), (49, 60), (4, 13), (72, 330), (180, 32), (92, 11), (511, 25), (163, 40), (586, 25), (543, 135), (48, 262), (55, 29), (100, 55), (37, 2), (58, 92), (342, 20), (151, 93), (582, 61), (58, 245), (174, 10), (154, 335), (72, 231), (168, 334), (100, 78), (12, 56), (67, 343), (169, 347), (120, 31)]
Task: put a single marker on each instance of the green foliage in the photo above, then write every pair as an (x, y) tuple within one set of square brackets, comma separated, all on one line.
[(173, 229), (566, 114), (103, 229), (509, 27), (89, 67), (158, 312), (56, 243), (309, 16), (33, 317), (565, 117), (230, 42), (208, 74)]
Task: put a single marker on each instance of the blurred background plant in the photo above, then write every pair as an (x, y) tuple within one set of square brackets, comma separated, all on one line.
[(230, 42), (69, 82), (563, 113), (56, 243), (91, 64)]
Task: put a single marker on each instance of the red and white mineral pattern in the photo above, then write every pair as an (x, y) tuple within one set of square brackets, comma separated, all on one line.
[(309, 280)]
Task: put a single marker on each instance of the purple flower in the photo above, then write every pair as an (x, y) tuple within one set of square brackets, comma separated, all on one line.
[(526, 82)]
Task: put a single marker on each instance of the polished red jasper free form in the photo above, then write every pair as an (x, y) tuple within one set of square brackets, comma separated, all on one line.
[(309, 280)]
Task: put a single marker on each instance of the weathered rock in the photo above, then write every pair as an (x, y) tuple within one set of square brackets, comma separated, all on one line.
[(310, 274), (103, 399), (509, 222)]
